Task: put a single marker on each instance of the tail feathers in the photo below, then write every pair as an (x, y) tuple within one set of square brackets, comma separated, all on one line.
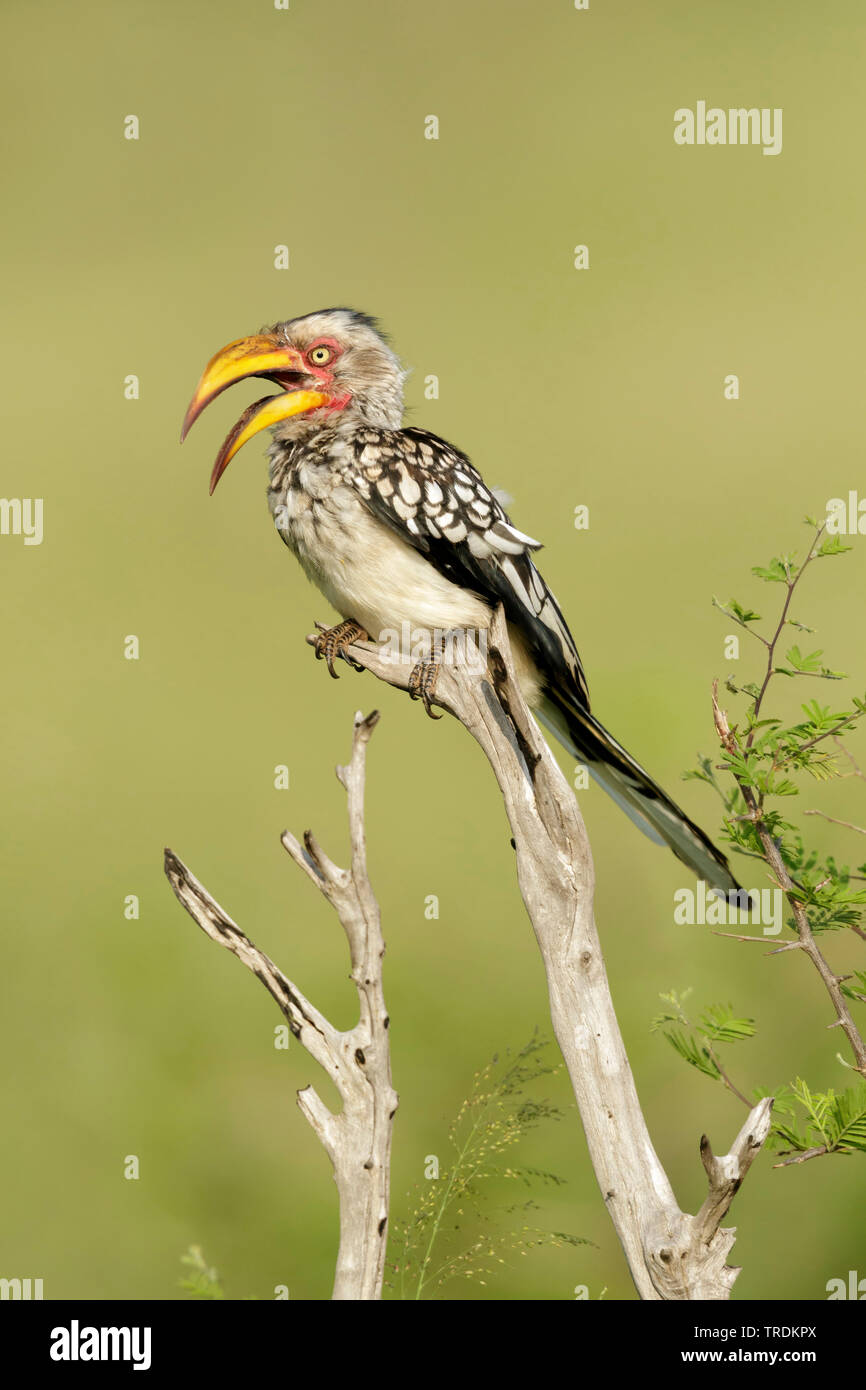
[(633, 789)]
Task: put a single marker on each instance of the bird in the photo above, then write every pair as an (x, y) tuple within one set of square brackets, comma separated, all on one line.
[(398, 530)]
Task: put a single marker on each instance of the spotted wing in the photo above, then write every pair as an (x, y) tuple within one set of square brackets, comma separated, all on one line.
[(434, 498)]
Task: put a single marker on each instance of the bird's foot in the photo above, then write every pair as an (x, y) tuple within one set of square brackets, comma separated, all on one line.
[(422, 684), (332, 642)]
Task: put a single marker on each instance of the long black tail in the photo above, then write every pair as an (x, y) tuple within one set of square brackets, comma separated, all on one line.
[(633, 789)]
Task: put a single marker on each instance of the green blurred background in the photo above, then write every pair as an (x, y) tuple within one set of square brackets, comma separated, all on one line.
[(603, 387)]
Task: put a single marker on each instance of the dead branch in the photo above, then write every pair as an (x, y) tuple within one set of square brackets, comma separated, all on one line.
[(671, 1255), (358, 1139)]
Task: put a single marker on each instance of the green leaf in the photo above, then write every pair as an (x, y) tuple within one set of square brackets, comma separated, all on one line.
[(779, 571), (831, 545), (812, 662), (856, 991), (782, 786), (734, 609), (697, 1057), (836, 1121), (718, 1024), (849, 1120), (697, 774)]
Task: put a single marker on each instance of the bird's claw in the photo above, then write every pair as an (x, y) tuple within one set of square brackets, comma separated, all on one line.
[(334, 641), (422, 684)]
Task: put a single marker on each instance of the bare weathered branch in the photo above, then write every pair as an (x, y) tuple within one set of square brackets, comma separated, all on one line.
[(671, 1255), (305, 1021), (358, 1139), (726, 1174)]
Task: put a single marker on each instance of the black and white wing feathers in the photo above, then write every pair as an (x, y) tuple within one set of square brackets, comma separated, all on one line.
[(433, 497)]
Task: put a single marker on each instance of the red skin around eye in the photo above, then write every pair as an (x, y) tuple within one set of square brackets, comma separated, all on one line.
[(324, 374)]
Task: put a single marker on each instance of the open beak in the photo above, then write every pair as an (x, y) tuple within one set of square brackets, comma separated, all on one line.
[(265, 355)]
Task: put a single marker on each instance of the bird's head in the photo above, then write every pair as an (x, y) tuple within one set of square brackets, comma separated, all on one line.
[(332, 366)]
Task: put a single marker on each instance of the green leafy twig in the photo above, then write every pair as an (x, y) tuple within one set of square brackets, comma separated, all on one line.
[(695, 1041), (762, 758), (834, 1123)]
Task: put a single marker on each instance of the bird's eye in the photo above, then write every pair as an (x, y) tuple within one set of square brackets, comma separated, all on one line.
[(320, 355)]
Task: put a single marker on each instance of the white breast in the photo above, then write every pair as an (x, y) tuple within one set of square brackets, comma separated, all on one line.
[(367, 572)]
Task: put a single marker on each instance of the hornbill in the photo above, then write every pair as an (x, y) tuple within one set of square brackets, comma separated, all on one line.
[(399, 532)]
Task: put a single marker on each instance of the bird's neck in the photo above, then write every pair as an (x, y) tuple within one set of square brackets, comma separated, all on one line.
[(328, 442), (356, 415)]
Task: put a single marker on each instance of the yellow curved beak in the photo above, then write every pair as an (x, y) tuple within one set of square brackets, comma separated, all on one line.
[(265, 355)]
